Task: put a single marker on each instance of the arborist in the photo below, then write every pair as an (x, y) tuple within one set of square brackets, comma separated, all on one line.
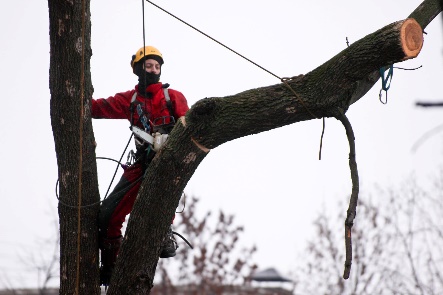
[(152, 109)]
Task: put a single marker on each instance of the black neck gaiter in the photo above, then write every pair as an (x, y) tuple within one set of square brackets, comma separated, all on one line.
[(145, 79)]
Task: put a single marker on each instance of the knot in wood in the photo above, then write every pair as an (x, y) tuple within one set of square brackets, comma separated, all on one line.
[(204, 107)]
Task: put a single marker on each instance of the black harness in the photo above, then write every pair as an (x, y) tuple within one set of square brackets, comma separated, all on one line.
[(162, 125)]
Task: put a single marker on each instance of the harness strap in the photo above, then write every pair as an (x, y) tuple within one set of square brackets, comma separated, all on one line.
[(140, 112), (134, 96), (167, 98), (131, 107), (168, 101)]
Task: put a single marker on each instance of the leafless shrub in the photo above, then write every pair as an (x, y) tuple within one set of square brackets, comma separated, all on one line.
[(214, 264), (397, 246)]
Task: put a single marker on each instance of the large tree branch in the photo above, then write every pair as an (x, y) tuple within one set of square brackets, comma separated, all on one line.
[(211, 122), (337, 83), (426, 12)]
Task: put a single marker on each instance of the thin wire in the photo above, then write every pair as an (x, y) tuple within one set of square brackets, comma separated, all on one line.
[(407, 69), (110, 159), (116, 168), (96, 203), (67, 205), (284, 80), (80, 164), (213, 39), (143, 12), (99, 202), (144, 43)]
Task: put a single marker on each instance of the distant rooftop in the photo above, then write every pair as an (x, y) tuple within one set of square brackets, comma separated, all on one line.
[(179, 290), (269, 275), (49, 291)]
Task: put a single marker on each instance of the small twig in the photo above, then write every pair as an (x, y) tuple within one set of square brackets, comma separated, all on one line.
[(321, 139), (352, 209), (426, 136), (429, 104)]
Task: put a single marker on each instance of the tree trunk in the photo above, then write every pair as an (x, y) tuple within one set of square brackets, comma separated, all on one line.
[(71, 90), (331, 87)]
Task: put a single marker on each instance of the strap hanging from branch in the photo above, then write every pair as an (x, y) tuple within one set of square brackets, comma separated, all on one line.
[(385, 81)]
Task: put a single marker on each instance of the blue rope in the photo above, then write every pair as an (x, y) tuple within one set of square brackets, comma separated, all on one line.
[(388, 78), (384, 82)]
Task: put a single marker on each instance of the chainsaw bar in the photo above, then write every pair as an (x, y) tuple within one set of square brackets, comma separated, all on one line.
[(146, 137)]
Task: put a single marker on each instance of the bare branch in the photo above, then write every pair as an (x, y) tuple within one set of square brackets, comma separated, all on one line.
[(352, 209)]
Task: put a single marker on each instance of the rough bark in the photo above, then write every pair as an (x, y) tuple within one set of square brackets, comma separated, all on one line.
[(166, 179), (71, 90), (321, 93)]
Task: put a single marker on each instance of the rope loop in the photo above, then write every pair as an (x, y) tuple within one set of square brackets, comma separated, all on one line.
[(385, 82), (388, 78), (380, 97)]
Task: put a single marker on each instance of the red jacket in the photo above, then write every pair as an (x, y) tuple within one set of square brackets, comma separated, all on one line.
[(118, 106)]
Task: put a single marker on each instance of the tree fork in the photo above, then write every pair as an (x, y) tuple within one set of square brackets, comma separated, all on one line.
[(214, 121), (337, 83), (173, 166)]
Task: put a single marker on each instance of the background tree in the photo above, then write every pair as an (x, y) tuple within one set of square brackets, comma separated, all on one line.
[(397, 246), (324, 92), (215, 263), (42, 260), (47, 267)]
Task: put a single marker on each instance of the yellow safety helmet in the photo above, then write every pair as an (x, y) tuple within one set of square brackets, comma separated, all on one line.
[(147, 51)]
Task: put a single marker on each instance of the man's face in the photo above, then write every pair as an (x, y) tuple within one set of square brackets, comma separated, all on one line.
[(152, 66)]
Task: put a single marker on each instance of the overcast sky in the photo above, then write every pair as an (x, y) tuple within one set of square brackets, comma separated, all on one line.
[(272, 182)]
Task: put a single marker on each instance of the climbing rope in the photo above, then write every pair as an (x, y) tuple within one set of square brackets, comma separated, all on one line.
[(110, 184), (206, 35), (144, 37), (283, 80), (118, 164), (98, 202), (80, 160)]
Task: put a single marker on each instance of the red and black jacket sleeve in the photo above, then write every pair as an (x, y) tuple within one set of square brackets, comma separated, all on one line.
[(179, 103), (114, 107)]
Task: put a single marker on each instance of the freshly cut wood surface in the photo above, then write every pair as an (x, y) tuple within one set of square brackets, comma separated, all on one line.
[(411, 35)]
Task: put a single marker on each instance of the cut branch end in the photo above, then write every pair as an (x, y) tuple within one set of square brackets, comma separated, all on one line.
[(411, 37)]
